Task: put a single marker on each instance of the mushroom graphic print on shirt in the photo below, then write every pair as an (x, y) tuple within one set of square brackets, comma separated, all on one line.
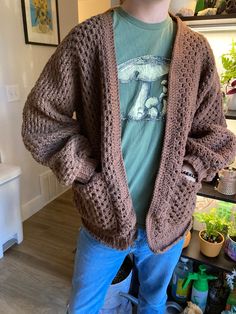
[(147, 70)]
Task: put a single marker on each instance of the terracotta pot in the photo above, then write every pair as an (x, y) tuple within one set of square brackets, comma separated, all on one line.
[(187, 239), (230, 248), (210, 249)]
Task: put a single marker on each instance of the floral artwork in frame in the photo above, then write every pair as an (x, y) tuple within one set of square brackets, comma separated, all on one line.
[(41, 22)]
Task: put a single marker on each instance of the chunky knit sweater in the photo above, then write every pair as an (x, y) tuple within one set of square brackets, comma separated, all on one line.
[(71, 123)]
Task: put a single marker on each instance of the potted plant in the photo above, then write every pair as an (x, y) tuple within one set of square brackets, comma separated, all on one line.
[(229, 76), (230, 243), (212, 237)]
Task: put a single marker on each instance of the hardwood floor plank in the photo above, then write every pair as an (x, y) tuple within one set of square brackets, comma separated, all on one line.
[(35, 276)]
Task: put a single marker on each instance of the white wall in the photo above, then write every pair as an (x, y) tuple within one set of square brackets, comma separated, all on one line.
[(88, 8), (68, 15), (21, 64)]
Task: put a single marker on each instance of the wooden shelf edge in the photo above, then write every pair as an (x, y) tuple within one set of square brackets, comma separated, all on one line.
[(208, 17), (209, 23), (231, 115)]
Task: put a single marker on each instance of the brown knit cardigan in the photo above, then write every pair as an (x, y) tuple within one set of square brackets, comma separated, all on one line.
[(71, 123)]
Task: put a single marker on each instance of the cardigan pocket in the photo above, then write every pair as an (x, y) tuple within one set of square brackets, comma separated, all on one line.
[(93, 202), (182, 200)]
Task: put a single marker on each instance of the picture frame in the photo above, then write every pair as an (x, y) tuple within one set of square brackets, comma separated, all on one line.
[(41, 22)]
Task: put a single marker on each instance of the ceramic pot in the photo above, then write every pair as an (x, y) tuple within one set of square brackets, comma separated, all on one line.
[(227, 181), (187, 239), (210, 249), (230, 248)]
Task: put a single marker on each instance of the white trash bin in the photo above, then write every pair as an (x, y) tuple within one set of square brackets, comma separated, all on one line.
[(11, 230)]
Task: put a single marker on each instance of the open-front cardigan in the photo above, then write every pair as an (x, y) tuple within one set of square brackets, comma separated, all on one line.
[(85, 150)]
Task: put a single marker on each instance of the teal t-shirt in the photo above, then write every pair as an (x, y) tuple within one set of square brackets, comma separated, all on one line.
[(143, 53)]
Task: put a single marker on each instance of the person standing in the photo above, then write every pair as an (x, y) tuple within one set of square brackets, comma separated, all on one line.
[(149, 128)]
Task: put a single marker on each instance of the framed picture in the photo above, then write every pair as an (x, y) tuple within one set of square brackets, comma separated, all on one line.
[(41, 22)]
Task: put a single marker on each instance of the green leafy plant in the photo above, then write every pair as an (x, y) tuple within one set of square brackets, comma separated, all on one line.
[(215, 221), (225, 210), (229, 63), (232, 226)]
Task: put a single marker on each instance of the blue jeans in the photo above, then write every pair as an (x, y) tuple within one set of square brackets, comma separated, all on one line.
[(97, 264)]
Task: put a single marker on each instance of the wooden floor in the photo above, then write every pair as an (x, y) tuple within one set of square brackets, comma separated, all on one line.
[(35, 276)]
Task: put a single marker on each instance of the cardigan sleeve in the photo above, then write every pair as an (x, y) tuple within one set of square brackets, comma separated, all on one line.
[(49, 131), (210, 145)]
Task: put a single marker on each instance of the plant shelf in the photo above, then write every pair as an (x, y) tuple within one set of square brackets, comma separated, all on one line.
[(208, 190), (222, 261), (217, 17), (231, 114), (218, 22)]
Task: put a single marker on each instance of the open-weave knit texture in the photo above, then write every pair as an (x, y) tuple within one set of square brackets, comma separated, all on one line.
[(81, 76)]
